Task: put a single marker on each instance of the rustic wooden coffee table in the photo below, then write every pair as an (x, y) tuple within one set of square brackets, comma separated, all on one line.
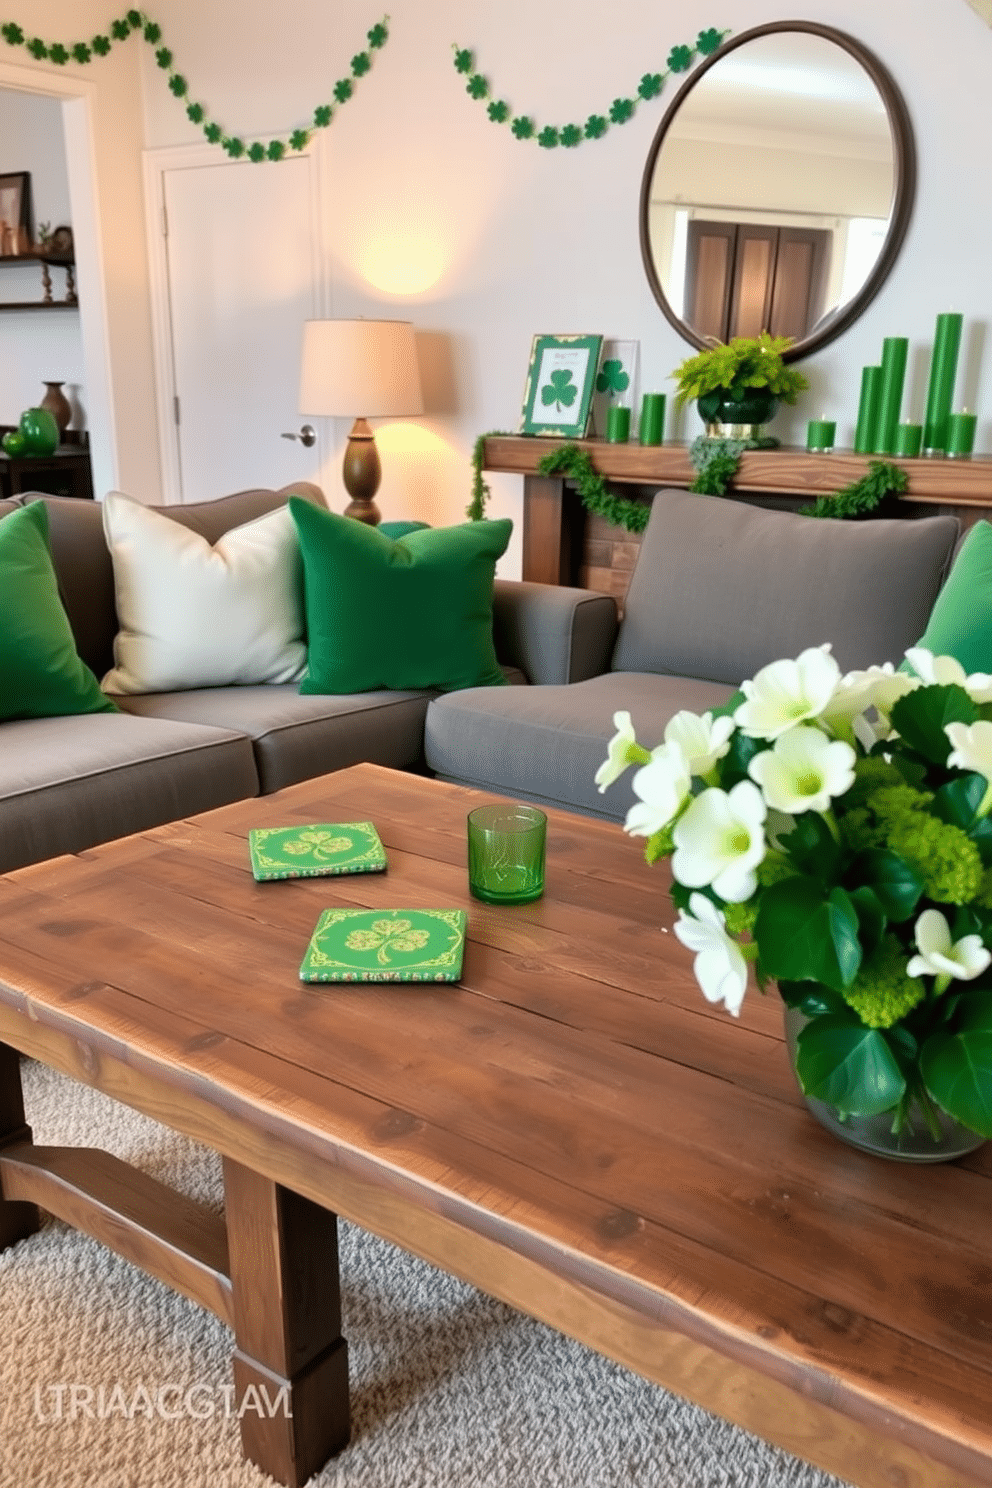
[(571, 1128)]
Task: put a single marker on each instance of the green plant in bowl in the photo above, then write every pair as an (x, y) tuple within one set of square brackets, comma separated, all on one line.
[(735, 367)]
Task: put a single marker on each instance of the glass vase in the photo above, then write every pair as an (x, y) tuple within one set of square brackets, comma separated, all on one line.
[(915, 1143)]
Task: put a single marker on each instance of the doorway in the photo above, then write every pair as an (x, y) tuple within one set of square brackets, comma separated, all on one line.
[(235, 273)]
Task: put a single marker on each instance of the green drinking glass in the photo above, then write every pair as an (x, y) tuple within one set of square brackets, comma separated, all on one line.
[(506, 846)]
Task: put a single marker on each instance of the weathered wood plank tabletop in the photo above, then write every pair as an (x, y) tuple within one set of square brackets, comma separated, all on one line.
[(571, 1127)]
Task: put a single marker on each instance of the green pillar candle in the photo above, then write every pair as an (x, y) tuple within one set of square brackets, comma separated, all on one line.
[(909, 438), (943, 370), (617, 424), (864, 434), (894, 350), (820, 435), (652, 423), (961, 434)]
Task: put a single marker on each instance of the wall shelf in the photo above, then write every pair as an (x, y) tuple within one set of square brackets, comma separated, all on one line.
[(554, 525), (70, 302)]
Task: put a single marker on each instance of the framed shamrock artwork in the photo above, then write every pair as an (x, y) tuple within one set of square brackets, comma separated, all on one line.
[(559, 387), (616, 382)]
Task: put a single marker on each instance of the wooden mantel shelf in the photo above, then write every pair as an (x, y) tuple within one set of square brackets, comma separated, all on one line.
[(792, 471), (554, 520)]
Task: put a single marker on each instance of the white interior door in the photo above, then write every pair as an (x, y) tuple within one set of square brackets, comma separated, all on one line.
[(238, 250)]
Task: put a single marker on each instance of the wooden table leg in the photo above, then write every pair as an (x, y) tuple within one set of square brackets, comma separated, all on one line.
[(290, 1361), (17, 1220)]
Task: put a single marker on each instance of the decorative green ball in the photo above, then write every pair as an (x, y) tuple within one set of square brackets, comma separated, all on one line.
[(39, 431), (13, 443)]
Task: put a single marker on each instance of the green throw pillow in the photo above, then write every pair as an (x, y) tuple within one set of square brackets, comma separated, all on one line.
[(960, 623), (41, 675), (411, 613)]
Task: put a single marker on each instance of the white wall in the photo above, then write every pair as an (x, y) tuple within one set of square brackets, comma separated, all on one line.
[(36, 346), (499, 239)]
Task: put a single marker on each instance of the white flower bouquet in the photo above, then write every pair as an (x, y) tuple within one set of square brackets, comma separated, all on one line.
[(835, 831)]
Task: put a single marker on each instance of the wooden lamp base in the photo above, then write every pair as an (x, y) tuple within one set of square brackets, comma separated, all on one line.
[(362, 474)]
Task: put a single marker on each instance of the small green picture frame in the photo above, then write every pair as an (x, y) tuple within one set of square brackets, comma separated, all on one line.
[(559, 387)]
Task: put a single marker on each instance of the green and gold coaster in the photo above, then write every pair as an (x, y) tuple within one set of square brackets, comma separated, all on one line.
[(386, 945), (309, 852)]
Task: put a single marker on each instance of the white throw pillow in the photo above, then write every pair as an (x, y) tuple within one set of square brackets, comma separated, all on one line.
[(192, 615)]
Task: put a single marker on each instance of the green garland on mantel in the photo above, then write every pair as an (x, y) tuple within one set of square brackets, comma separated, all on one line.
[(134, 21), (550, 136), (715, 461)]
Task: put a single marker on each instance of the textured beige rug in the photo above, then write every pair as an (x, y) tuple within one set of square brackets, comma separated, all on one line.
[(109, 1380)]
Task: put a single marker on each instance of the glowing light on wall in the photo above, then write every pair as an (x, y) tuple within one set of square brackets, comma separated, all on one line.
[(401, 438), (403, 263)]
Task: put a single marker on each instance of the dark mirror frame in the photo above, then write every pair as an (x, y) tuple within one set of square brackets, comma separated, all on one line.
[(904, 187)]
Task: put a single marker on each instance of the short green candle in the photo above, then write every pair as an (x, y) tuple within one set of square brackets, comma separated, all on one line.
[(961, 434), (909, 439), (617, 424), (652, 423), (506, 849), (820, 435), (864, 434)]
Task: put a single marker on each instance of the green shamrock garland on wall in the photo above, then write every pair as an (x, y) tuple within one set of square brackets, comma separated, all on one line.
[(550, 136), (136, 21)]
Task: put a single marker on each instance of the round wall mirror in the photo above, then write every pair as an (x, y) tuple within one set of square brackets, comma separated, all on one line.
[(778, 188)]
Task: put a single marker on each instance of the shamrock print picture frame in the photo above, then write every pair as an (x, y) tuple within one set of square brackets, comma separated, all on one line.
[(616, 385), (559, 387)]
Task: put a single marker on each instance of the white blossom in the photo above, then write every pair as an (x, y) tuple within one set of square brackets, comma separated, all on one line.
[(719, 967), (720, 840), (945, 671), (661, 785), (702, 739), (973, 751), (618, 751), (938, 956), (786, 693), (803, 771)]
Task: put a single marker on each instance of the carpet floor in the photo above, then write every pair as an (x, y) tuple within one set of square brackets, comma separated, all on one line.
[(110, 1380)]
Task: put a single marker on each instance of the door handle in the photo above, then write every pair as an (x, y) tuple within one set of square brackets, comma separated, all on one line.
[(306, 436)]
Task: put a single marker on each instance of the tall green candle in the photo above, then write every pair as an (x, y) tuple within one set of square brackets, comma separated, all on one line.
[(943, 370), (864, 434), (894, 350)]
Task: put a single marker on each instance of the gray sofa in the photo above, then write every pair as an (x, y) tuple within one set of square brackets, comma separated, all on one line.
[(70, 783), (720, 589)]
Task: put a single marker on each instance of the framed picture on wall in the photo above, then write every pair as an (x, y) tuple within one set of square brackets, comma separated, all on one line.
[(559, 386), (15, 213)]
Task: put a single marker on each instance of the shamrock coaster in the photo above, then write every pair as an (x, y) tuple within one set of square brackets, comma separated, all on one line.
[(386, 945), (309, 852)]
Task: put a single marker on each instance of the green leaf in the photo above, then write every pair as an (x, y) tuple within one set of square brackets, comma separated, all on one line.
[(922, 716), (959, 800), (812, 999), (871, 919), (957, 1072), (890, 877), (733, 766), (813, 848), (851, 1067), (981, 836), (806, 936)]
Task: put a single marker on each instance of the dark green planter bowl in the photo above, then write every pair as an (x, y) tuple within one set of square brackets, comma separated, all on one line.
[(721, 413)]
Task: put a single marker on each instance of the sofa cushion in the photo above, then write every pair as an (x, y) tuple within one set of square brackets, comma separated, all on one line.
[(722, 588), (297, 737), (85, 572), (68, 784), (960, 624), (412, 613), (545, 744), (41, 675), (196, 614)]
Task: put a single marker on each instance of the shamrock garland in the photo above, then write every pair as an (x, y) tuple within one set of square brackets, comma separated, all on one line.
[(136, 20), (550, 136)]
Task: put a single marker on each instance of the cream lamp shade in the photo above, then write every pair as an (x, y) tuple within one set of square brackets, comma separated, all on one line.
[(360, 369)]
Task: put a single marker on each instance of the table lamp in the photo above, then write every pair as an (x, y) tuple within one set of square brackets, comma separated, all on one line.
[(360, 369)]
